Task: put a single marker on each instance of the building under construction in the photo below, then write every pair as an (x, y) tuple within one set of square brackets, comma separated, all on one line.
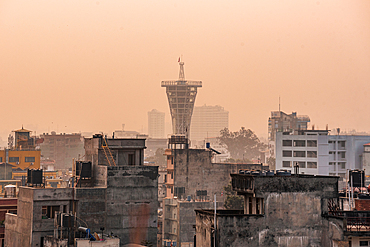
[(181, 97)]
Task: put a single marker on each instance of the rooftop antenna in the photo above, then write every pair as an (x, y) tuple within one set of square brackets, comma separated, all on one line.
[(181, 73), (279, 103)]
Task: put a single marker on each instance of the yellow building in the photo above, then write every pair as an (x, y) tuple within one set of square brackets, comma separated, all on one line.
[(23, 155), (21, 158)]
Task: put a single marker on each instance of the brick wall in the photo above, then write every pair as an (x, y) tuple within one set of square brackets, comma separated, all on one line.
[(362, 204)]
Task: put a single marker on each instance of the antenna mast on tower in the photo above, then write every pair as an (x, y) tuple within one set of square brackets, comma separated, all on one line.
[(181, 73)]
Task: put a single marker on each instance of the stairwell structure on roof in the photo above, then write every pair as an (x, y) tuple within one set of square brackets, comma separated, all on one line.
[(181, 97)]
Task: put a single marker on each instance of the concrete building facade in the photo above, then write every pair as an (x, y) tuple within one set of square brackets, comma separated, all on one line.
[(365, 157), (281, 122), (62, 148), (192, 180), (278, 211), (309, 150), (208, 121), (317, 152), (156, 124), (120, 196)]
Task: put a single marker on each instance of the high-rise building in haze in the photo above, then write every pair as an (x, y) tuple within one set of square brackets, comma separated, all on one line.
[(156, 124), (181, 97), (207, 121), (280, 121)]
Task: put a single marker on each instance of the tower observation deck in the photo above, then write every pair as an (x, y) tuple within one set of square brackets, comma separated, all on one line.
[(181, 97)]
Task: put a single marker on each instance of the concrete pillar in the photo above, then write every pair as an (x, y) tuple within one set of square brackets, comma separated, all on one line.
[(254, 205), (262, 206), (246, 204)]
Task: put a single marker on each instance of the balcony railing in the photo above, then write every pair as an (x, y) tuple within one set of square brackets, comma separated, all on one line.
[(175, 83), (358, 224)]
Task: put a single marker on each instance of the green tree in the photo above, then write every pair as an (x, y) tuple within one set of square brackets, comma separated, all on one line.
[(159, 158), (233, 201), (243, 144)]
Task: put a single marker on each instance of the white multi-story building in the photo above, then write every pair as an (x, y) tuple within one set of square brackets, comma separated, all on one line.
[(156, 124), (207, 121), (317, 152)]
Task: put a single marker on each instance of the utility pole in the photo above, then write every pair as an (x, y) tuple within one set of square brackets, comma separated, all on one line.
[(215, 224)]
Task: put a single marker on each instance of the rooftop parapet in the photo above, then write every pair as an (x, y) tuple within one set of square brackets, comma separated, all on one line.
[(261, 186)]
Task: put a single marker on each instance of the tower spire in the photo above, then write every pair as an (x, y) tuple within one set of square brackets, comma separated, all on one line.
[(181, 73)]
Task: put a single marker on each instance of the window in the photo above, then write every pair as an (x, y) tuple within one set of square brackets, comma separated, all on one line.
[(301, 164), (287, 164), (299, 143), (331, 163), (165, 178), (48, 212), (342, 165), (287, 143), (311, 154), (342, 144), (364, 243), (299, 154), (29, 159), (1, 159), (342, 155), (13, 159), (287, 153), (179, 191), (131, 159), (311, 143), (311, 164)]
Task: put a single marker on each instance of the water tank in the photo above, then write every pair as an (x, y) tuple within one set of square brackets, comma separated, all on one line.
[(83, 169), (270, 173), (358, 178), (283, 173), (10, 191), (208, 145), (256, 173), (34, 176), (189, 198)]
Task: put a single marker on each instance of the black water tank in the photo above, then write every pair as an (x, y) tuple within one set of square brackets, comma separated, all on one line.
[(83, 169), (358, 178), (34, 176)]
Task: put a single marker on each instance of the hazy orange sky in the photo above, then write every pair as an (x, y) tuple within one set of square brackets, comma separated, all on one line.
[(82, 65)]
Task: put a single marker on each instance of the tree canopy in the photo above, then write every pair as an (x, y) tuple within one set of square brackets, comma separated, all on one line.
[(243, 144), (159, 158), (232, 201)]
